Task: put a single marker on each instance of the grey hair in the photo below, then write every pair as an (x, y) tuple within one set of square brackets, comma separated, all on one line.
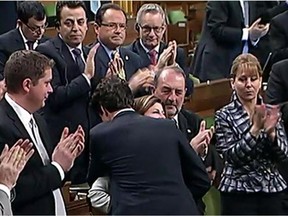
[(174, 68), (150, 8)]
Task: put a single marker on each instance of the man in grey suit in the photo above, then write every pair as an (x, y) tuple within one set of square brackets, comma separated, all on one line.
[(12, 162)]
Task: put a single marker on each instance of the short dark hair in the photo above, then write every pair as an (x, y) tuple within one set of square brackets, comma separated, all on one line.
[(29, 9), (69, 4), (25, 64), (176, 69), (113, 94), (101, 11)]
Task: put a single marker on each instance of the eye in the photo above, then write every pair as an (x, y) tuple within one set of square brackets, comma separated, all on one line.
[(81, 22)]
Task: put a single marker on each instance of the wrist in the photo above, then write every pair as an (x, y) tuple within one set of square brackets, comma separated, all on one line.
[(255, 131)]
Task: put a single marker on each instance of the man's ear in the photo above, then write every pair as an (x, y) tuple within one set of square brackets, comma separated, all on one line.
[(27, 84), (96, 29)]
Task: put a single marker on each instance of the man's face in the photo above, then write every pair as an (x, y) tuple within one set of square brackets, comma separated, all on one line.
[(33, 30), (112, 30), (151, 29), (171, 90), (73, 25), (40, 91)]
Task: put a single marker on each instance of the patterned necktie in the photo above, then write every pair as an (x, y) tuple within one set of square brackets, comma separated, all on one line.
[(30, 45), (153, 59), (78, 59)]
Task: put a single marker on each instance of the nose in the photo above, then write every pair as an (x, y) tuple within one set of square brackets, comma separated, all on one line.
[(50, 88), (248, 82), (172, 96), (151, 33), (75, 27)]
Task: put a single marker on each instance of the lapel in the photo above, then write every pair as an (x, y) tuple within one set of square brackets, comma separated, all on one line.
[(102, 59), (183, 126), (237, 8), (19, 43), (58, 44), (137, 47), (127, 62)]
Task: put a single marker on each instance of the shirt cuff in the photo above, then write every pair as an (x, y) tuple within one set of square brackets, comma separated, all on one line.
[(245, 34), (59, 168), (5, 189), (254, 43), (87, 79)]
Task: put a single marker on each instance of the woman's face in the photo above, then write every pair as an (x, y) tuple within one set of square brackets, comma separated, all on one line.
[(247, 85), (155, 111)]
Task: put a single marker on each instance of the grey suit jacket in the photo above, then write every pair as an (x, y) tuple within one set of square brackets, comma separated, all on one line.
[(5, 205)]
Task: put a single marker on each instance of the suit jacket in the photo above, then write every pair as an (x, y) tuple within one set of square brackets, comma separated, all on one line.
[(5, 205), (277, 93), (10, 42), (36, 182), (221, 38), (67, 106), (8, 7), (181, 59), (278, 37), (155, 172)]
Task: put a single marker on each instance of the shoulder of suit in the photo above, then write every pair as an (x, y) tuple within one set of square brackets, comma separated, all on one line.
[(130, 53), (280, 18), (9, 35), (278, 66)]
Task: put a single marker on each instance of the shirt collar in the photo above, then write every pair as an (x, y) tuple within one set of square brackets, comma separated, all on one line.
[(147, 50), (123, 110), (23, 114), (107, 50), (24, 38), (176, 119)]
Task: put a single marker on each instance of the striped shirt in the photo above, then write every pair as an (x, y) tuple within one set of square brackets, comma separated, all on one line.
[(250, 164)]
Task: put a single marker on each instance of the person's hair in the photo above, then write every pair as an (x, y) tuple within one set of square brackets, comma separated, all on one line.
[(247, 62), (113, 94), (150, 8), (144, 103), (69, 4), (25, 64), (176, 69), (102, 10), (30, 9)]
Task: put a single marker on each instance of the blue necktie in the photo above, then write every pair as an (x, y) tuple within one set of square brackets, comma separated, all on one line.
[(94, 5), (246, 23)]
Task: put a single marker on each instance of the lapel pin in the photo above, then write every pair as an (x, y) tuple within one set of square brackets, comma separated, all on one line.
[(126, 58), (188, 130)]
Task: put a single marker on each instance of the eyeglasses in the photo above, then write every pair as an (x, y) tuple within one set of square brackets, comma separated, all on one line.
[(114, 26), (36, 28), (147, 29)]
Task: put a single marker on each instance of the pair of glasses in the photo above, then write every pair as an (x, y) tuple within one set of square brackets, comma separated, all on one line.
[(147, 29), (114, 26), (36, 28)]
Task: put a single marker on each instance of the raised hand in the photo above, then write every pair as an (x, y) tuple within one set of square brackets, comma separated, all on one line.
[(271, 119), (142, 78), (90, 63)]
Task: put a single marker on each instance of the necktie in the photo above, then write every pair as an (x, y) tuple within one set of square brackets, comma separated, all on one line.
[(78, 59), (246, 23), (95, 5), (30, 45), (153, 59), (59, 202), (121, 73)]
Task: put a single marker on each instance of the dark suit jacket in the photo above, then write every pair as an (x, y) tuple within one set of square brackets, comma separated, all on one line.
[(8, 8), (181, 59), (9, 43), (279, 37), (36, 182), (277, 93), (221, 39), (67, 106), (152, 172)]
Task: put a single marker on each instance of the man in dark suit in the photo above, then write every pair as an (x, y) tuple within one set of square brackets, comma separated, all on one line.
[(29, 34), (12, 162), (229, 29), (170, 88), (155, 172), (279, 37), (38, 187), (151, 26), (67, 106), (110, 28)]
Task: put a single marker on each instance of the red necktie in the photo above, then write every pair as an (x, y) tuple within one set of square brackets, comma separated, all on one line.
[(153, 59)]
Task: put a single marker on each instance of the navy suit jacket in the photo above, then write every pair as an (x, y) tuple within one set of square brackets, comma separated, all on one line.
[(67, 106), (10, 42), (36, 182), (152, 167)]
